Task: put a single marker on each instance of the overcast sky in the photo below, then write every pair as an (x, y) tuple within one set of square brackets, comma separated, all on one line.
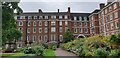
[(53, 5)]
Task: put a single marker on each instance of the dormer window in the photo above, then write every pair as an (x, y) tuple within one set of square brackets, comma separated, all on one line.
[(35, 17), (66, 17), (40, 17), (80, 18), (60, 17), (46, 17), (75, 18), (85, 18), (53, 17), (22, 17), (29, 17)]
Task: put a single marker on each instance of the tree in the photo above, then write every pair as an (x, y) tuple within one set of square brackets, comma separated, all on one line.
[(67, 36), (9, 31)]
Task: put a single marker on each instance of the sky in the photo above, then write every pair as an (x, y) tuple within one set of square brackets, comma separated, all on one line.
[(52, 5)]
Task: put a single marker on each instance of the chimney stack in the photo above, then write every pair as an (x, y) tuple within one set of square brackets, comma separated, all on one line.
[(40, 11), (102, 5), (58, 10), (69, 9)]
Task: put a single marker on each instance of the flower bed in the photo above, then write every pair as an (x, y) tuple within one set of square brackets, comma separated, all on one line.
[(94, 46)]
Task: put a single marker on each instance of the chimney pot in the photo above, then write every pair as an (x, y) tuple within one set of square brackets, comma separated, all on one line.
[(58, 10), (68, 9), (102, 5), (40, 11)]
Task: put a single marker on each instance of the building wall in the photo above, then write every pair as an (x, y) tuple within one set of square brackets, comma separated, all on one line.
[(105, 22), (94, 28), (47, 23), (108, 19)]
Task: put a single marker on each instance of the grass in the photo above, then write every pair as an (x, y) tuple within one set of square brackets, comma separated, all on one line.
[(16, 55), (48, 53)]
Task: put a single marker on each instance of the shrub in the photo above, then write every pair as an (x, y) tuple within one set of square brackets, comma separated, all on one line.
[(19, 50), (39, 50), (54, 47), (101, 52), (34, 48), (101, 46), (114, 52), (28, 50), (115, 39)]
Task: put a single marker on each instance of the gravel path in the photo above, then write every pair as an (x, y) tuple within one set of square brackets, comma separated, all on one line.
[(64, 54)]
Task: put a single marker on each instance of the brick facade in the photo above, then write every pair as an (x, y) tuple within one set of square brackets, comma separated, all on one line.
[(108, 18), (47, 27)]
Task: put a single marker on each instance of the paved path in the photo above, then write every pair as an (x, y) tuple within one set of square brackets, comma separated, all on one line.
[(60, 53)]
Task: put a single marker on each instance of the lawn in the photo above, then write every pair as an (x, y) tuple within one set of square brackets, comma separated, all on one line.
[(16, 55), (48, 53)]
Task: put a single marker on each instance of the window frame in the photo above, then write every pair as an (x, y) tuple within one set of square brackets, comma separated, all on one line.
[(60, 17), (75, 30), (28, 30), (20, 23), (29, 17), (66, 16), (34, 38), (66, 23), (34, 30), (40, 23), (46, 23), (22, 17), (40, 30), (86, 30), (60, 29), (53, 29), (46, 30), (60, 23), (34, 23), (81, 30), (53, 23), (35, 17)]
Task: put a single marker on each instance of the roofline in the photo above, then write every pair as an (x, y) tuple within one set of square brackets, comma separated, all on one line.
[(107, 5), (104, 8)]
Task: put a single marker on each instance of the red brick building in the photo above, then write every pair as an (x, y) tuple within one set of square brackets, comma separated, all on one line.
[(47, 27), (108, 19)]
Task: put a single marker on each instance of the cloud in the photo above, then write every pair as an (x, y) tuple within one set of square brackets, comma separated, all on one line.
[(63, 0), (63, 6)]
